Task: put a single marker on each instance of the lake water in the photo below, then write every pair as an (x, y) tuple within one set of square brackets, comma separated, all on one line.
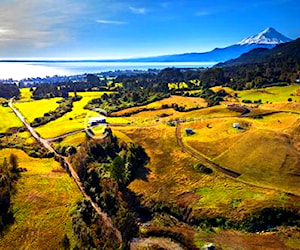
[(18, 70)]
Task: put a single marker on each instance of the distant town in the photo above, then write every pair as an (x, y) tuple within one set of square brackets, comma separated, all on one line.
[(33, 81)]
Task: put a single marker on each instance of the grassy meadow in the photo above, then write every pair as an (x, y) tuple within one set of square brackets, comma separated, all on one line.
[(264, 151), (8, 119), (71, 121), (173, 179), (44, 196), (32, 109), (187, 102)]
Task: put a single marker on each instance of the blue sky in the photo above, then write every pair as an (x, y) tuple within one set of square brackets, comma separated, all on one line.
[(121, 29)]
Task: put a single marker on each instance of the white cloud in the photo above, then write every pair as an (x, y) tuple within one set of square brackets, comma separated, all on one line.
[(104, 21), (140, 11), (35, 24)]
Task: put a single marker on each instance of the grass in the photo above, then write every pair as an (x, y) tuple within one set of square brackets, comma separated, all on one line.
[(72, 140), (32, 109), (44, 196), (188, 102), (271, 94), (25, 94), (71, 121), (264, 157), (262, 152), (8, 119), (172, 179)]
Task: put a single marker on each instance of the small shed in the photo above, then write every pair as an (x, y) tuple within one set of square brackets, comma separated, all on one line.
[(97, 120), (236, 125), (189, 131)]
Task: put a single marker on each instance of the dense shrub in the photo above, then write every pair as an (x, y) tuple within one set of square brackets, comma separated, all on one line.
[(202, 169)]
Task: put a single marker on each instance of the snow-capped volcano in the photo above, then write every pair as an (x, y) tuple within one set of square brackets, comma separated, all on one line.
[(268, 36), (267, 39)]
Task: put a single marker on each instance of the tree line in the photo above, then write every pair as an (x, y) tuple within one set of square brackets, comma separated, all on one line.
[(9, 174), (106, 168)]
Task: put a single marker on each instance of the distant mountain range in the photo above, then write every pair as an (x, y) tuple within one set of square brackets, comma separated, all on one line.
[(267, 39), (287, 54)]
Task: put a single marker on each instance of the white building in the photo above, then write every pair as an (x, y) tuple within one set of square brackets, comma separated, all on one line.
[(236, 125), (97, 120)]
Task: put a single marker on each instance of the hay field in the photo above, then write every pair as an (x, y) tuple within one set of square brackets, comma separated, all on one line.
[(41, 205), (32, 109), (172, 178), (71, 121), (8, 119)]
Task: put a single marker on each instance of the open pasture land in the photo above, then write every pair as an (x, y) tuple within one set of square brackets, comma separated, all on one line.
[(44, 196), (8, 119), (171, 178), (187, 102), (71, 121), (71, 140), (271, 94), (32, 109), (25, 95), (261, 150)]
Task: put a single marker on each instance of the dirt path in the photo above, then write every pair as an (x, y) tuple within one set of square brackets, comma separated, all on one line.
[(155, 243), (201, 158), (105, 218), (208, 163)]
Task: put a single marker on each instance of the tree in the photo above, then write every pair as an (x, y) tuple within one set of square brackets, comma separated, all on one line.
[(117, 170), (13, 161)]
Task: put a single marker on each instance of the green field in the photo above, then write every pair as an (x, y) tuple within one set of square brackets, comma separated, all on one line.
[(173, 179), (32, 109), (265, 151), (25, 95), (271, 94), (41, 205), (71, 121), (8, 119)]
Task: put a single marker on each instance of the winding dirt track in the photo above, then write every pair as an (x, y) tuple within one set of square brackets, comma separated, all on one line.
[(201, 158), (105, 218)]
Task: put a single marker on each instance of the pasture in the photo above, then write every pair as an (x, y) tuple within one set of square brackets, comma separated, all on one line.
[(32, 109), (8, 119), (171, 178), (71, 121), (261, 151), (42, 202), (187, 102)]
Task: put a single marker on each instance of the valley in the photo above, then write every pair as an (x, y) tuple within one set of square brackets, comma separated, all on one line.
[(245, 176)]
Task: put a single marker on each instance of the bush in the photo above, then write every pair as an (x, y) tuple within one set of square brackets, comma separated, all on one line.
[(202, 169), (246, 101)]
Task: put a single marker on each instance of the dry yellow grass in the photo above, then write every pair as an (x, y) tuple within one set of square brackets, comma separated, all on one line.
[(25, 95), (71, 121), (265, 157), (188, 102), (172, 179), (8, 119), (41, 205)]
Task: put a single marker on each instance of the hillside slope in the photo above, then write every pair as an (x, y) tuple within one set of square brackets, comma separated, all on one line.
[(287, 52)]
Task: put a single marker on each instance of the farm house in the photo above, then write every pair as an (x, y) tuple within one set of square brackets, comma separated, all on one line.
[(96, 120)]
